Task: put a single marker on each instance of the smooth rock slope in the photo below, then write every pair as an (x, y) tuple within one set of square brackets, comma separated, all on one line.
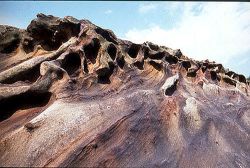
[(73, 94)]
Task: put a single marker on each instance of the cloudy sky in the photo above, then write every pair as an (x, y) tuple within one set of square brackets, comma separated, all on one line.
[(218, 31)]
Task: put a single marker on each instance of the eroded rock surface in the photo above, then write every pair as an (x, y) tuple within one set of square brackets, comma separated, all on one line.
[(73, 94)]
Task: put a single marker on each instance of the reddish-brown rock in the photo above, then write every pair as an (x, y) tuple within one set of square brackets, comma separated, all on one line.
[(72, 94)]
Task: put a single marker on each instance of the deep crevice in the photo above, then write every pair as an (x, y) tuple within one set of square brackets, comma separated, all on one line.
[(85, 66), (23, 101)]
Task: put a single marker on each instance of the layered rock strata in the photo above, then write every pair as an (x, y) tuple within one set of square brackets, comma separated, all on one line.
[(73, 94)]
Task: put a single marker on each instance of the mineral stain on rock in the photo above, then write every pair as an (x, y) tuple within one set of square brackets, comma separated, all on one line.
[(73, 94)]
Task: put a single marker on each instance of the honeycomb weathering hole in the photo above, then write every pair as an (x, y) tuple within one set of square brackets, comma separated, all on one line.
[(186, 64), (23, 101), (171, 59), (51, 37), (11, 47), (105, 73), (120, 61), (112, 51), (156, 65), (71, 63), (133, 50), (242, 79), (139, 64), (158, 55), (92, 49), (170, 91), (213, 75)]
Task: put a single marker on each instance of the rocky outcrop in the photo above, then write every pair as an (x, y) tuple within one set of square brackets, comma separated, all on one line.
[(73, 94)]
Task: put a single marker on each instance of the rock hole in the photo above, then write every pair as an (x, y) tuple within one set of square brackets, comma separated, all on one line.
[(242, 79), (171, 59), (10, 47), (139, 64), (28, 45), (212, 65), (230, 73), (49, 34), (120, 61), (158, 55), (213, 75), (66, 30), (156, 65), (23, 101), (43, 36), (71, 63), (145, 52), (170, 90), (186, 64), (91, 50), (229, 81), (203, 68), (191, 73), (133, 50), (112, 51), (105, 73)]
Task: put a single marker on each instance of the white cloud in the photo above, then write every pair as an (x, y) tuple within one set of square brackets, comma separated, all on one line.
[(217, 31), (144, 8), (108, 11)]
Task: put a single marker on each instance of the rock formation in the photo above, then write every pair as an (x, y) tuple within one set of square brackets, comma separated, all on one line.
[(73, 94)]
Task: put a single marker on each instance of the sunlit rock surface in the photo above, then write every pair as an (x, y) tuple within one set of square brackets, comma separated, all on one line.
[(73, 94)]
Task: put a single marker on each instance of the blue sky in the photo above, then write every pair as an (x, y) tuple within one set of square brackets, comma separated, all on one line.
[(219, 31)]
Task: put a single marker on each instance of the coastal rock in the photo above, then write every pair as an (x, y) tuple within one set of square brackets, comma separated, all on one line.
[(72, 94)]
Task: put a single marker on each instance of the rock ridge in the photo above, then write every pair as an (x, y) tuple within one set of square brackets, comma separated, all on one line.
[(73, 94)]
